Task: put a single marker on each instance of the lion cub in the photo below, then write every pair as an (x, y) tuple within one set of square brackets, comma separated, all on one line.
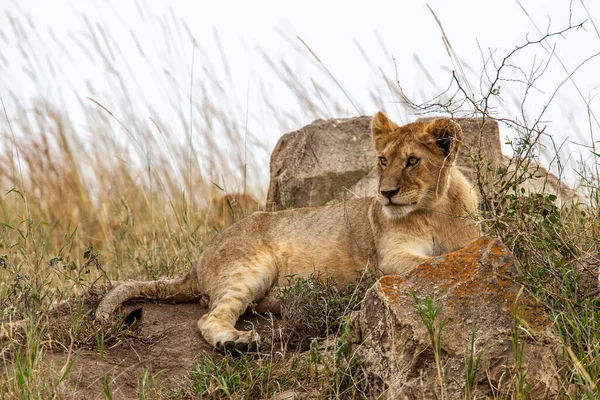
[(424, 207)]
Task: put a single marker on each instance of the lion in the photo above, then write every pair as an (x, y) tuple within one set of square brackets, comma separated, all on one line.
[(424, 207), (225, 210)]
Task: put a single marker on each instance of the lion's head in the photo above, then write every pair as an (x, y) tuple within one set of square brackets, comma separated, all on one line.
[(413, 162)]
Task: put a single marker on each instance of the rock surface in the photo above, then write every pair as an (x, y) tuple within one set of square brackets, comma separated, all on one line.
[(477, 294), (331, 160), (320, 162)]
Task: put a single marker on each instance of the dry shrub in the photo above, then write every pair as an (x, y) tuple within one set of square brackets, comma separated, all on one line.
[(313, 308)]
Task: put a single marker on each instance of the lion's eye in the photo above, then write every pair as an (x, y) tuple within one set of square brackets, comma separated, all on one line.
[(412, 161), (383, 161)]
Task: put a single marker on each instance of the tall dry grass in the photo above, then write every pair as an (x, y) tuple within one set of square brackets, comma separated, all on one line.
[(133, 178)]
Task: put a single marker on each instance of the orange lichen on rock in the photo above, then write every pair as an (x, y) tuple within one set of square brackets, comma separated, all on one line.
[(388, 286), (483, 271)]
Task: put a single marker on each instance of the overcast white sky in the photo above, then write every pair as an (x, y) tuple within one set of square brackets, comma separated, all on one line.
[(62, 70)]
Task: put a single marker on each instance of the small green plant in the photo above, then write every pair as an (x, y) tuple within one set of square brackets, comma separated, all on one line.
[(347, 380), (27, 361), (147, 385), (106, 387), (70, 271), (472, 363), (333, 372), (100, 344), (24, 371), (428, 310)]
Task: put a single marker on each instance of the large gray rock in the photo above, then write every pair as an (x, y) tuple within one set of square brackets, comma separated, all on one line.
[(476, 294), (331, 160), (323, 161)]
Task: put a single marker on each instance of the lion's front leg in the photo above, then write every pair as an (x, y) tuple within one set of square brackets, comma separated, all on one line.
[(401, 262), (246, 284)]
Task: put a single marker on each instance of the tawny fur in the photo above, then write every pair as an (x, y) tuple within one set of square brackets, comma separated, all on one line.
[(431, 212), (225, 210)]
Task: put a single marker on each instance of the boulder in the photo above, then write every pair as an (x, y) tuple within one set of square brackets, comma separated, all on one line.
[(477, 299), (321, 162), (331, 160)]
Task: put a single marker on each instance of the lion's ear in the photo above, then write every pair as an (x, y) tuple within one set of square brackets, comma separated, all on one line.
[(447, 135), (381, 127)]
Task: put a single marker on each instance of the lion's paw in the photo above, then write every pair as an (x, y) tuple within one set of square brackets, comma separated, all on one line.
[(238, 341)]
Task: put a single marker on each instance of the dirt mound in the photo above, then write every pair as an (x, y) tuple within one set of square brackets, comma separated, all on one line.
[(164, 338)]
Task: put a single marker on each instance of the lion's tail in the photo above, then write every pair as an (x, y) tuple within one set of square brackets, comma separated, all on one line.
[(178, 290)]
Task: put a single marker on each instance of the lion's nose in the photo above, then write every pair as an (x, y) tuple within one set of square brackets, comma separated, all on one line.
[(389, 193)]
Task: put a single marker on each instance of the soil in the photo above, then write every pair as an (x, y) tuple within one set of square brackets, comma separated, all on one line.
[(166, 338)]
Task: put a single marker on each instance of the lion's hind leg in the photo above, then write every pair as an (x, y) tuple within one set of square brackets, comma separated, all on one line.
[(269, 304), (245, 285)]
